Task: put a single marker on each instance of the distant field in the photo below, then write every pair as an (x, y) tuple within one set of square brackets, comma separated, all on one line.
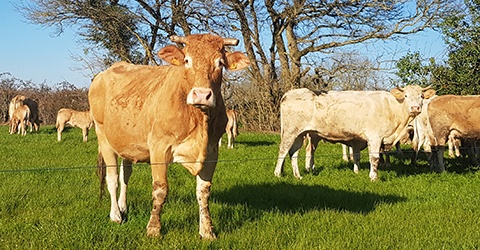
[(49, 199)]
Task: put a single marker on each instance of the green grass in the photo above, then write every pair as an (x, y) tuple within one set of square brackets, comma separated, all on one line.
[(49, 199)]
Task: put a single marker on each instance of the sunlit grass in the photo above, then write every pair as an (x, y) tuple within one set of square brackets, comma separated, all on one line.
[(49, 199)]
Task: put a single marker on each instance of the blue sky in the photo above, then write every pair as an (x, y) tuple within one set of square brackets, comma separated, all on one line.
[(29, 52)]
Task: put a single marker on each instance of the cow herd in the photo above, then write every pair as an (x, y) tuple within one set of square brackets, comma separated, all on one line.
[(378, 120), (23, 113), (176, 113)]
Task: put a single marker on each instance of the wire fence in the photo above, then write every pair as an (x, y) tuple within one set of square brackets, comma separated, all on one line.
[(142, 164)]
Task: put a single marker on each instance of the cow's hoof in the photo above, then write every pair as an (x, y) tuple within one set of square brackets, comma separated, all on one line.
[(117, 218), (153, 231), (208, 236), (299, 177)]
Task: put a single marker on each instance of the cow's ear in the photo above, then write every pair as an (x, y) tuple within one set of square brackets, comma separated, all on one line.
[(398, 93), (171, 54), (429, 93), (237, 61)]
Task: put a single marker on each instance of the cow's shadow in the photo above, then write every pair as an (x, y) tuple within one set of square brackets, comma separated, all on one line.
[(287, 198), (403, 165)]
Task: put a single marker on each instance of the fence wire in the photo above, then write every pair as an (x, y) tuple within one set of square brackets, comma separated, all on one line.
[(143, 164)]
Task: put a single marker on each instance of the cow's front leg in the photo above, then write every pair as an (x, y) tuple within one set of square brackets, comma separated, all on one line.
[(374, 160), (159, 194), (374, 157), (205, 220)]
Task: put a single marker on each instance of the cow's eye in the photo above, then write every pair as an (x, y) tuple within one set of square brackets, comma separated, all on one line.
[(422, 96), (187, 61)]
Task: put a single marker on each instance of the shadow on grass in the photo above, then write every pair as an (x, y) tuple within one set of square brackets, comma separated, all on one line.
[(403, 165), (284, 198)]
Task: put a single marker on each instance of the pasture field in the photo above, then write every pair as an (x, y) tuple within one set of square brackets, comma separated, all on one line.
[(49, 199)]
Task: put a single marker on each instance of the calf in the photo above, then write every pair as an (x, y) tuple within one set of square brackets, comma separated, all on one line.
[(79, 119), (19, 120)]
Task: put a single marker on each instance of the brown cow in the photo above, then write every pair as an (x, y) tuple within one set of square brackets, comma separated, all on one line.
[(79, 119), (380, 120), (18, 101), (164, 114), (19, 120), (451, 115), (231, 128)]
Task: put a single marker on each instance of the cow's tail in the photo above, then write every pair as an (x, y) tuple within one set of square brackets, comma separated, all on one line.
[(101, 172)]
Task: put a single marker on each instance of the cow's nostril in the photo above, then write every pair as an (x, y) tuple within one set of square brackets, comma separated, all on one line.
[(201, 97)]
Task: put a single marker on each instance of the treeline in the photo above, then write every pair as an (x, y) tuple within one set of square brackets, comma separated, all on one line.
[(50, 99)]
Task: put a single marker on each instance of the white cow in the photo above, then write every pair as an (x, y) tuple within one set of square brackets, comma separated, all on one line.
[(380, 119)]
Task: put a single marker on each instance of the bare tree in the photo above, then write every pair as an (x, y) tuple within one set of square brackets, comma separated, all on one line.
[(279, 37)]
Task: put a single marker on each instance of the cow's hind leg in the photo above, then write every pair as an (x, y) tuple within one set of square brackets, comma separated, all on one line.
[(293, 152), (60, 128), (310, 152), (85, 134), (110, 160), (125, 173), (285, 145), (230, 138)]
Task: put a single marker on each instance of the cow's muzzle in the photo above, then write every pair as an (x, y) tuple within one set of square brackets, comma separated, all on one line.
[(201, 98), (415, 110)]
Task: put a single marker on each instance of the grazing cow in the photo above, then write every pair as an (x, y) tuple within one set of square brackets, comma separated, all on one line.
[(18, 101), (231, 128), (452, 116), (380, 119), (164, 114), (79, 119), (19, 120)]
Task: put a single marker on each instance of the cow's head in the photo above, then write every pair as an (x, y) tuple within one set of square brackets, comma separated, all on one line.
[(413, 96), (203, 57)]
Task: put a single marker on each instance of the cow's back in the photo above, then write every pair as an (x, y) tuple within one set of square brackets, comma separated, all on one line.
[(450, 112), (361, 115)]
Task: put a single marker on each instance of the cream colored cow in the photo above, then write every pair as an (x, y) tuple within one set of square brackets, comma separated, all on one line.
[(79, 119), (19, 120)]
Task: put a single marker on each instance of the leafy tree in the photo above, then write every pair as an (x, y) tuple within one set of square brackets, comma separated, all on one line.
[(460, 73), (412, 70)]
